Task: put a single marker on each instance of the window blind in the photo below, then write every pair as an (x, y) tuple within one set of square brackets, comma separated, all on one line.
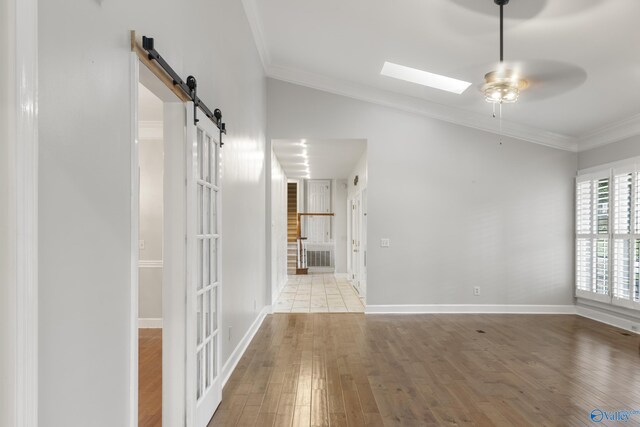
[(608, 236)]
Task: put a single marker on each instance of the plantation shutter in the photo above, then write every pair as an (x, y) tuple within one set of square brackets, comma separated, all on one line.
[(592, 236), (625, 238), (608, 235)]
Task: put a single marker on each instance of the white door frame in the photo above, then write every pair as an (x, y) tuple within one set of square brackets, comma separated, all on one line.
[(134, 269), (356, 263), (19, 329), (362, 249), (174, 287), (354, 237)]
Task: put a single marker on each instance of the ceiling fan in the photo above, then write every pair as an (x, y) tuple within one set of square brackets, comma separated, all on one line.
[(503, 85)]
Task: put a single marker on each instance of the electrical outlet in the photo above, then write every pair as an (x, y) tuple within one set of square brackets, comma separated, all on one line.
[(229, 333), (476, 291), (140, 244), (385, 243)]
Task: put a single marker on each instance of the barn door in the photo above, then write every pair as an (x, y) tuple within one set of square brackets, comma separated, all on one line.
[(204, 391)]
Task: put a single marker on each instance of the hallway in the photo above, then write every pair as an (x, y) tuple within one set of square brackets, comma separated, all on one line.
[(318, 293)]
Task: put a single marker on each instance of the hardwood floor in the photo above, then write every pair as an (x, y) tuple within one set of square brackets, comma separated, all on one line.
[(431, 370), (150, 377)]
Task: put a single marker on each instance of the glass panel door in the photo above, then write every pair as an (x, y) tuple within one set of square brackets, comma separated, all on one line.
[(204, 291)]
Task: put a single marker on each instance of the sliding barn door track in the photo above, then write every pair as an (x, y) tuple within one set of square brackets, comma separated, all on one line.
[(188, 88)]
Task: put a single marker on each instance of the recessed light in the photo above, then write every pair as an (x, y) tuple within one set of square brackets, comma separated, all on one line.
[(424, 78)]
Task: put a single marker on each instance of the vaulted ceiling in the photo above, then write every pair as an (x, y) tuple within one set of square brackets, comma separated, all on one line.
[(582, 57)]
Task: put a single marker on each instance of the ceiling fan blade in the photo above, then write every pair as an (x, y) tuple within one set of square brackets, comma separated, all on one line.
[(546, 78), (517, 9)]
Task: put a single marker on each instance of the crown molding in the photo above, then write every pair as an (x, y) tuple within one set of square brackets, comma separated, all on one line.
[(251, 12), (150, 130), (610, 133), (605, 135), (422, 107)]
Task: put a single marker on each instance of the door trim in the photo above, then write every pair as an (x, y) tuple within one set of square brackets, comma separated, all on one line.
[(135, 196), (174, 269), (173, 236)]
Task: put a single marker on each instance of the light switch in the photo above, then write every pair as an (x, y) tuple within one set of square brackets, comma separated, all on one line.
[(385, 243)]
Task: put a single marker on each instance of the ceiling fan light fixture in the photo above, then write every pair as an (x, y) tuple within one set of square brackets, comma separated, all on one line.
[(502, 87)]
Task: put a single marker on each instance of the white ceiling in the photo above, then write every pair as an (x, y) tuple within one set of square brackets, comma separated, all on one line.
[(582, 56), (327, 159)]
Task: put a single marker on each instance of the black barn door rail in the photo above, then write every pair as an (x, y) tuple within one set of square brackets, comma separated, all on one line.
[(190, 87)]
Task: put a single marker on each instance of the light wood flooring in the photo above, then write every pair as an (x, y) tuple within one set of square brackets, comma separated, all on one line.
[(149, 377), (431, 370)]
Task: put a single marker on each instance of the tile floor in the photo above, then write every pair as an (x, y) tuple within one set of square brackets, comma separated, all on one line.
[(318, 293)]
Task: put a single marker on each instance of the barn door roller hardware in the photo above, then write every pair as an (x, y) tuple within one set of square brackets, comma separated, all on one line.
[(190, 87)]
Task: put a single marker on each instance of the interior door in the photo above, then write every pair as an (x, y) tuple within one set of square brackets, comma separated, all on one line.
[(318, 201), (362, 244), (355, 241), (204, 391)]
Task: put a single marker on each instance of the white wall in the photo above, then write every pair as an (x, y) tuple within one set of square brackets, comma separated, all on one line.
[(151, 159), (7, 217), (85, 182), (339, 193), (278, 226), (460, 209), (621, 150)]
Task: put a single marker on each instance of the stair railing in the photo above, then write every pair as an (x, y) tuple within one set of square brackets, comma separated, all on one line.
[(301, 246)]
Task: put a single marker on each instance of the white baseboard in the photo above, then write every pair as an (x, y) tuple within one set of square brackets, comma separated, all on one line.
[(235, 357), (610, 318), (150, 323), (469, 308)]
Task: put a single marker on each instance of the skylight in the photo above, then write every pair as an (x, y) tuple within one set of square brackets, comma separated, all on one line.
[(424, 78)]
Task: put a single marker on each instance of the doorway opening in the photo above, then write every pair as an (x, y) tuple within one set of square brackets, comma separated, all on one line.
[(150, 256), (319, 238), (183, 355)]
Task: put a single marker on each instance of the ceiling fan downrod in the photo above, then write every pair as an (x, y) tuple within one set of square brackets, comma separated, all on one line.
[(501, 3)]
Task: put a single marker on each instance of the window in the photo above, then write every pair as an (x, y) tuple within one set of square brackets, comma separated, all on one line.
[(608, 236)]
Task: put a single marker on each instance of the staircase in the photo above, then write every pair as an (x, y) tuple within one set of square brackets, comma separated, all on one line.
[(292, 225), (292, 254)]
